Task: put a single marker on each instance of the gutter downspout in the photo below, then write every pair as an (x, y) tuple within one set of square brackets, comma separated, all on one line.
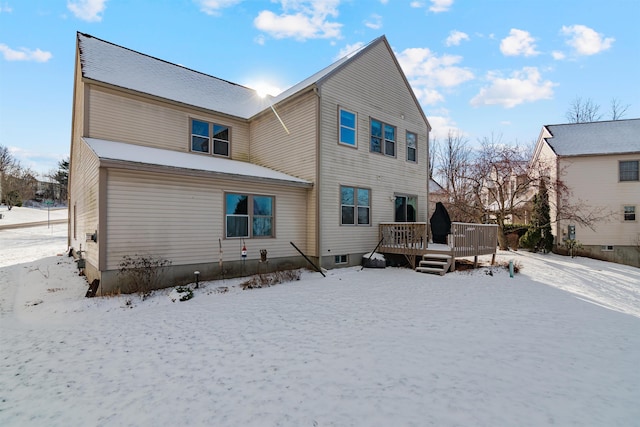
[(318, 248)]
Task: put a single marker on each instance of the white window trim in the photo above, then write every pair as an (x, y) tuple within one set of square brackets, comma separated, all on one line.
[(415, 149), (635, 213), (355, 129)]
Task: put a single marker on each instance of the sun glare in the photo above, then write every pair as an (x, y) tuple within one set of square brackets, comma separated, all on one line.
[(263, 89)]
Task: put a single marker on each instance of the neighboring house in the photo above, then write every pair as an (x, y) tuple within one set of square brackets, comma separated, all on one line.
[(174, 163), (508, 190), (598, 162), (436, 194)]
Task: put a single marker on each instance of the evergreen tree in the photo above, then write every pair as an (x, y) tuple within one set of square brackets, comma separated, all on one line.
[(539, 236)]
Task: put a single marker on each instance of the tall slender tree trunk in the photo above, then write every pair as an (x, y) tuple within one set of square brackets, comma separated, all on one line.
[(502, 237)]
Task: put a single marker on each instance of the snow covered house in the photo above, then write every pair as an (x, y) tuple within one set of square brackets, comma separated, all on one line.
[(598, 162), (173, 163)]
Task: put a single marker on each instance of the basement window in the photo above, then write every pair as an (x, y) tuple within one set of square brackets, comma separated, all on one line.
[(341, 259), (607, 248)]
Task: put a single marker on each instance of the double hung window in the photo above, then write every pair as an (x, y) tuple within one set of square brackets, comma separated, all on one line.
[(355, 205), (249, 215), (348, 133), (412, 142), (207, 137), (629, 171), (383, 138), (629, 213)]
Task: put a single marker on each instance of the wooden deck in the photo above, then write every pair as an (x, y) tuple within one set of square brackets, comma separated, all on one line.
[(411, 239)]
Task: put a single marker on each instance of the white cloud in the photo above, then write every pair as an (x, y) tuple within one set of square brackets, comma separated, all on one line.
[(556, 54), (348, 49), (441, 124), (456, 37), (24, 54), (384, 1), (416, 4), (585, 40), (374, 22), (438, 6), (522, 86), (5, 8), (213, 7), (87, 10), (302, 19), (427, 73), (519, 42)]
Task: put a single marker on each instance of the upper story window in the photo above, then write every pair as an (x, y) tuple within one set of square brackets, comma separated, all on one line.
[(348, 134), (248, 215), (383, 138), (412, 143), (206, 137), (355, 206), (629, 213), (629, 170)]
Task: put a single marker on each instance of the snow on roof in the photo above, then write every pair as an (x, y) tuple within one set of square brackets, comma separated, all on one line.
[(434, 186), (112, 150), (116, 65), (608, 137), (109, 63)]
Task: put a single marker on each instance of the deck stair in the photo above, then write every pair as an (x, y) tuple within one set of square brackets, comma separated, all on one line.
[(434, 263)]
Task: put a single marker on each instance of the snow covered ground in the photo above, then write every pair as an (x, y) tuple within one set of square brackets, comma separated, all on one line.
[(558, 344)]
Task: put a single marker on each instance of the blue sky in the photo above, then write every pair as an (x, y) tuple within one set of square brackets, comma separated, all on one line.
[(482, 68)]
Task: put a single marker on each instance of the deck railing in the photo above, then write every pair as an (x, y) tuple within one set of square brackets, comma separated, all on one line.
[(411, 238), (407, 238), (473, 239)]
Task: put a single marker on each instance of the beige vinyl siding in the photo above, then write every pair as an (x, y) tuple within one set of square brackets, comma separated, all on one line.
[(84, 195), (294, 153), (371, 87), (181, 218), (594, 180), (123, 117)]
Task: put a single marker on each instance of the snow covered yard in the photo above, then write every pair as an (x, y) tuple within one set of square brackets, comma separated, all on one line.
[(559, 344)]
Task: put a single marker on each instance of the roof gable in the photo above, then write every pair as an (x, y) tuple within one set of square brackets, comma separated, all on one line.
[(594, 138)]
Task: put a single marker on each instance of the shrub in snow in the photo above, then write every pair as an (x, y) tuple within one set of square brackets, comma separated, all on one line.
[(181, 293), (270, 279), (141, 273)]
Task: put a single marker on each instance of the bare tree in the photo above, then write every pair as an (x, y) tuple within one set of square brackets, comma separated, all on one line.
[(19, 181), (451, 159), (618, 110), (583, 111), (504, 183)]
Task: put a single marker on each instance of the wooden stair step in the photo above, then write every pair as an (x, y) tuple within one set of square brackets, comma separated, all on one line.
[(432, 262), (436, 256), (440, 271)]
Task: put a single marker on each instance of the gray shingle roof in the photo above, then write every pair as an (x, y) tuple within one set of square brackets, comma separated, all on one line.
[(609, 137), (109, 63), (115, 65), (113, 150)]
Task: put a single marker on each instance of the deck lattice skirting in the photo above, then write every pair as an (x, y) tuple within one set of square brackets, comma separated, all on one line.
[(411, 239)]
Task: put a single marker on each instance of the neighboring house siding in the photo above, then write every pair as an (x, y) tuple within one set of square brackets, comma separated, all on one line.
[(181, 218), (84, 198), (294, 153), (602, 189), (372, 87), (152, 123)]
